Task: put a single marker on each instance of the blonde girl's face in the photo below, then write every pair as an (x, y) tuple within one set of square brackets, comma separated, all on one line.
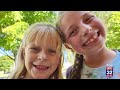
[(41, 60), (83, 31)]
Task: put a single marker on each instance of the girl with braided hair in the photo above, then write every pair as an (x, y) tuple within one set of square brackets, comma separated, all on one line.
[(85, 34)]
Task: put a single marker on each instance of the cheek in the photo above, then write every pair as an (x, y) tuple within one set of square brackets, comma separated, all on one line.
[(100, 26), (29, 57), (77, 46), (75, 42), (55, 61)]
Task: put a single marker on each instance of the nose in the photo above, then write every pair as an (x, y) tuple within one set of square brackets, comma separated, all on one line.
[(42, 56), (85, 29)]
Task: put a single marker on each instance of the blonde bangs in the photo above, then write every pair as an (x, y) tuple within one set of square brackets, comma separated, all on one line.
[(42, 34), (48, 37)]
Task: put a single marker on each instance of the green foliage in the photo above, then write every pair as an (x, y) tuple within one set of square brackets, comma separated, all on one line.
[(112, 22), (6, 64), (38, 16), (8, 18), (103, 15), (113, 39), (14, 34), (14, 23)]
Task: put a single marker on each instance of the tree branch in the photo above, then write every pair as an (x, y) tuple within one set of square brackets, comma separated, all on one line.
[(7, 54)]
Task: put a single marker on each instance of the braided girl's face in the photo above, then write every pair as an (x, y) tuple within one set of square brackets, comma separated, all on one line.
[(83, 31)]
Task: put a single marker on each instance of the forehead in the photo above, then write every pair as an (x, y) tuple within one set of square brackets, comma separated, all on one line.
[(43, 37), (72, 17), (71, 14), (47, 43)]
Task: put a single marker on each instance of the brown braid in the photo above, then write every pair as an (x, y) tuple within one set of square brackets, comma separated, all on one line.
[(77, 67)]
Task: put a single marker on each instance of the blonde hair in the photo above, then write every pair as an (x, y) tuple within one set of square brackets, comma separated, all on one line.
[(59, 26), (38, 32)]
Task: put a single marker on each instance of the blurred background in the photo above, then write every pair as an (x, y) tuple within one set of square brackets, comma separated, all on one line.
[(14, 23)]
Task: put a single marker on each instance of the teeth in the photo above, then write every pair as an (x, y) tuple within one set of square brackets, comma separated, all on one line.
[(92, 39), (87, 42), (95, 36), (41, 66)]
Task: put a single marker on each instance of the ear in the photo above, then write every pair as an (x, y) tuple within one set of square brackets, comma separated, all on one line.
[(67, 46)]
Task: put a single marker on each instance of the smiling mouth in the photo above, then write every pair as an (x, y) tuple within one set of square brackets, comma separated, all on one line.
[(41, 67), (92, 39)]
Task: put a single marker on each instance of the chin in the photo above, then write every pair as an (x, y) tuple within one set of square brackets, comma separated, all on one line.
[(40, 77)]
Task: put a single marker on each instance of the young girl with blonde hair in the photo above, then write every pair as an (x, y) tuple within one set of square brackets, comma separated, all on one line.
[(39, 55)]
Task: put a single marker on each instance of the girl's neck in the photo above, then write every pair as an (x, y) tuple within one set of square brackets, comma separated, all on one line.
[(101, 58), (27, 76)]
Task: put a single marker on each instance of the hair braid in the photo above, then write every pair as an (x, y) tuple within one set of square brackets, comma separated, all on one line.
[(77, 67)]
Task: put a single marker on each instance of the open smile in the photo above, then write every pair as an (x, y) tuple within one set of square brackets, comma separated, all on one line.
[(92, 39), (41, 67)]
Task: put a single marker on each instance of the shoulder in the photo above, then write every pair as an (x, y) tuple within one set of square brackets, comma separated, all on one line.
[(68, 72), (118, 52), (116, 60)]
